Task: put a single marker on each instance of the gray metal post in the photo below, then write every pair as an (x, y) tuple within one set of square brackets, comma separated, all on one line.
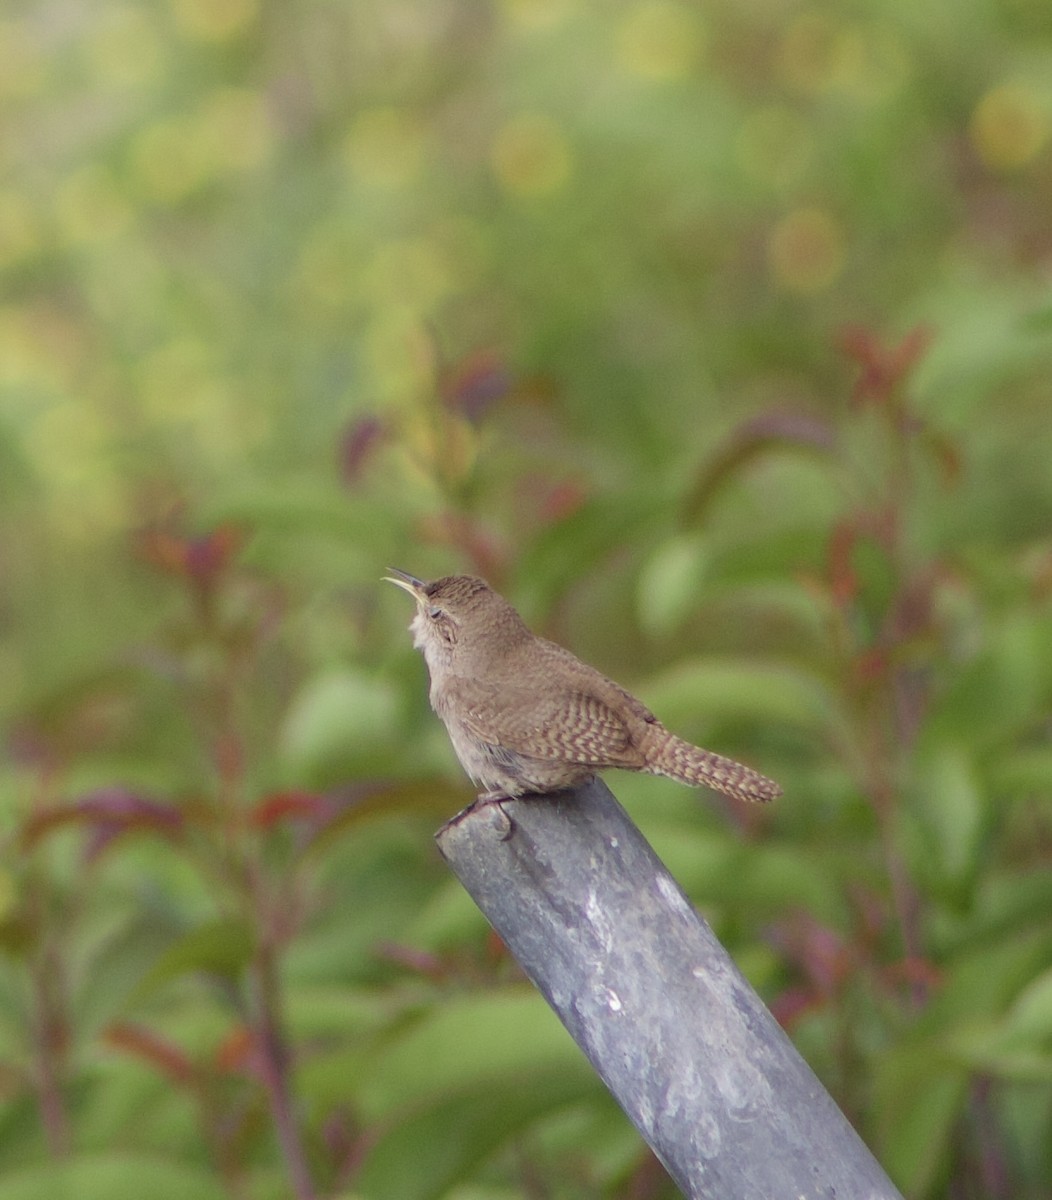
[(679, 1037)]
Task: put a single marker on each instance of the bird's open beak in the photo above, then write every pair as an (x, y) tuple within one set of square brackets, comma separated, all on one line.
[(408, 583)]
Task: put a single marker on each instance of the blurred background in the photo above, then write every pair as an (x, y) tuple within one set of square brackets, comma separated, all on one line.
[(717, 336)]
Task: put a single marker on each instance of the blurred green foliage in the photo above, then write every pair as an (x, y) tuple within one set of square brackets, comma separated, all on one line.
[(719, 337)]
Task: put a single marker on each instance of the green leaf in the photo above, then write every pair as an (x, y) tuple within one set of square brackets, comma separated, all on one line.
[(774, 608), (697, 692), (951, 802), (985, 339), (315, 1010), (669, 582), (764, 879), (1006, 904), (983, 979), (1019, 1044), (1030, 1017), (1023, 773), (569, 550), (1001, 693), (776, 432), (336, 722), (221, 947), (990, 1048), (423, 1156), (114, 965), (489, 1036), (918, 1102), (305, 510), (464, 1042), (449, 918), (113, 1176), (125, 1092)]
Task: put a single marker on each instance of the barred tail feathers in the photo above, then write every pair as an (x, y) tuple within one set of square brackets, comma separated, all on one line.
[(670, 755)]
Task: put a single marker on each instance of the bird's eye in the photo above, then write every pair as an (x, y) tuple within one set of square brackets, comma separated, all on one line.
[(434, 612)]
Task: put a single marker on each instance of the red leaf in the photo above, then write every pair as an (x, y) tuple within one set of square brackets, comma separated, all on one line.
[(824, 957), (421, 962), (786, 425), (496, 950), (843, 580), (360, 440), (475, 384), (792, 1005), (143, 1043), (872, 665), (283, 806), (946, 453), (561, 501), (882, 367), (111, 809), (914, 971), (237, 1051), (228, 754), (198, 558), (774, 428), (476, 543)]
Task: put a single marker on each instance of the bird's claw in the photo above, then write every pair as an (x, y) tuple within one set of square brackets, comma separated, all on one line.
[(493, 799)]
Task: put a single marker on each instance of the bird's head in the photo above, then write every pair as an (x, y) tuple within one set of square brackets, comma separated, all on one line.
[(456, 616)]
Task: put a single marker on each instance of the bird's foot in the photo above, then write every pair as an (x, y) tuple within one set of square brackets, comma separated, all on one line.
[(494, 797)]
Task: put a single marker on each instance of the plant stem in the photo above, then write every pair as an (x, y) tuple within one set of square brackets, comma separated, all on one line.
[(50, 1039), (274, 1060)]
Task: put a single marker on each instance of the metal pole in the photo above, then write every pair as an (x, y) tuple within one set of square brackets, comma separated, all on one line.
[(685, 1045)]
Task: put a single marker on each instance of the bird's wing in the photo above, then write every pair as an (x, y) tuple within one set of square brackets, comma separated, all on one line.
[(570, 724)]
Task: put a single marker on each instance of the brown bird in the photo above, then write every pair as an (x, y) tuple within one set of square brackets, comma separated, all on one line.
[(524, 715)]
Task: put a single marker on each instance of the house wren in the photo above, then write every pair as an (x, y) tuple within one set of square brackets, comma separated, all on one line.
[(525, 715)]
